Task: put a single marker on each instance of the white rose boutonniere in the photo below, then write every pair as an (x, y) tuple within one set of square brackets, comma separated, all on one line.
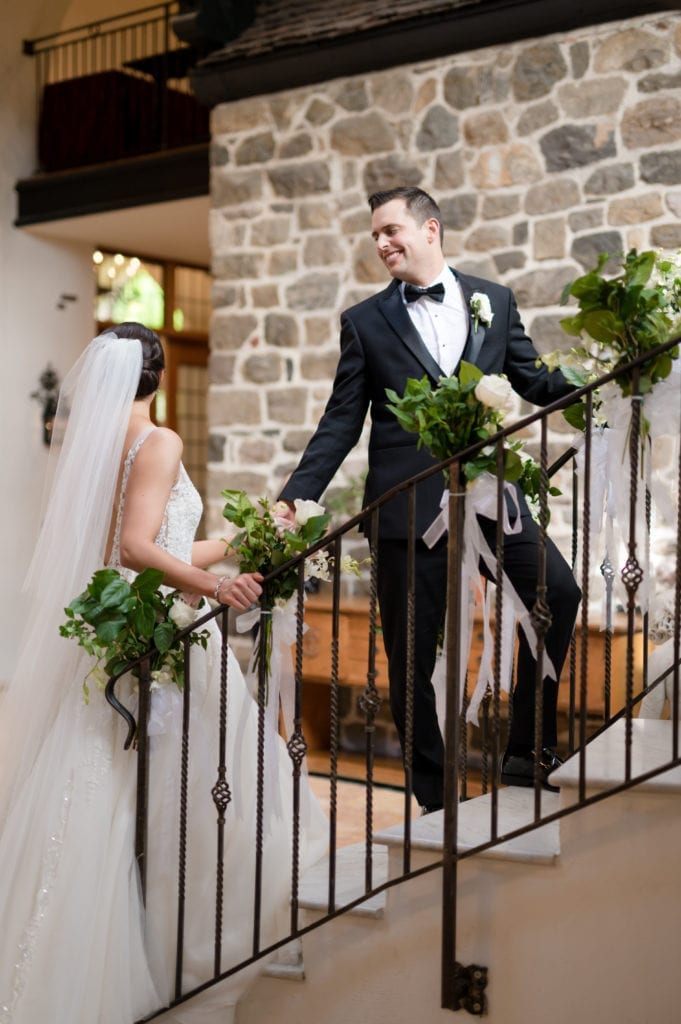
[(496, 392), (481, 309)]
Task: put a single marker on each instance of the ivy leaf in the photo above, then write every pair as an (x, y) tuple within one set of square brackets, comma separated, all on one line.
[(148, 582), (143, 620), (575, 415), (110, 629), (114, 593), (164, 634)]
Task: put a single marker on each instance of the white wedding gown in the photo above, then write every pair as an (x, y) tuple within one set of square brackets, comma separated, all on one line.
[(77, 946)]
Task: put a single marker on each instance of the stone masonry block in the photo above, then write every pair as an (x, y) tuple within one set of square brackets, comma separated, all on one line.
[(365, 133), (234, 406)]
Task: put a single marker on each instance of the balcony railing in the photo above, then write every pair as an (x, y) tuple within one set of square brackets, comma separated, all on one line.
[(115, 89), (585, 721)]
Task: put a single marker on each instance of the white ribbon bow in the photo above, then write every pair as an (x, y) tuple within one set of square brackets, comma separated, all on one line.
[(481, 500)]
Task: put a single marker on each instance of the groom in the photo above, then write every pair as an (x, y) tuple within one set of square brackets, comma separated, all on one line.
[(422, 324)]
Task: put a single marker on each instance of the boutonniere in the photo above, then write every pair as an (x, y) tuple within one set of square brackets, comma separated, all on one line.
[(481, 310)]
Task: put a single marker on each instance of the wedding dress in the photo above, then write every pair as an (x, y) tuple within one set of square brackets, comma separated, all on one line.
[(77, 945)]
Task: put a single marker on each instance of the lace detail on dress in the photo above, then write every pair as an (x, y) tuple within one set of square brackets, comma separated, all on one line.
[(180, 519), (115, 557)]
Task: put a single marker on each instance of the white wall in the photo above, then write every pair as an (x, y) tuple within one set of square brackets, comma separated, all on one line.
[(33, 332)]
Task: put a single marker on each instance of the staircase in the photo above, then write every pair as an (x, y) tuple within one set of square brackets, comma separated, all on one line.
[(576, 921)]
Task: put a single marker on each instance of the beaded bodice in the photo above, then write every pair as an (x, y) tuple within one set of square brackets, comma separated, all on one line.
[(180, 519)]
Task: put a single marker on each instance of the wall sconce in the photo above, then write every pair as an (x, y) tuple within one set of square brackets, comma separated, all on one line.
[(47, 394)]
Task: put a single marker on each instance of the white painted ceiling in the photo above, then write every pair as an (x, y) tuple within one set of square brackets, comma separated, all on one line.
[(173, 231)]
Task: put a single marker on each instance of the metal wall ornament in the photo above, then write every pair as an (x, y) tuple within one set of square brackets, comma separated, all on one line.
[(47, 393)]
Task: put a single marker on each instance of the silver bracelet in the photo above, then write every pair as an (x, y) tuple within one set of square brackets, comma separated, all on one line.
[(217, 587)]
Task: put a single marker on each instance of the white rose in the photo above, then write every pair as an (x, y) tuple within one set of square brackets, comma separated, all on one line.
[(481, 309), (181, 613), (307, 509), (496, 392)]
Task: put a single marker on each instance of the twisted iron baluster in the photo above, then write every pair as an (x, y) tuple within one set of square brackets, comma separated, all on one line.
[(452, 738), (573, 638), (263, 687), (370, 703), (184, 781), (409, 695), (334, 725), (484, 737), (142, 803), (540, 615), (632, 574), (221, 792), (463, 752), (297, 748), (584, 624), (608, 573), (498, 624), (677, 616)]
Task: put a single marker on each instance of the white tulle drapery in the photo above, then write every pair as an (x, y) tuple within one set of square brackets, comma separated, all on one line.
[(610, 484), (90, 424)]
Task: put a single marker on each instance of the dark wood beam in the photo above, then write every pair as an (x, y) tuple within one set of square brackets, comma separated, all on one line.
[(156, 178)]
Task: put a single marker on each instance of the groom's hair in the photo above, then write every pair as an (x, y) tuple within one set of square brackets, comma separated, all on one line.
[(420, 205)]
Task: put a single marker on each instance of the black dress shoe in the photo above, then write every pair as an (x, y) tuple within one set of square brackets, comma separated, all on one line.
[(518, 769), (430, 808)]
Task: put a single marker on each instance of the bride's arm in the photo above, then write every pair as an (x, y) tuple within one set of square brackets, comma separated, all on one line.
[(207, 552), (152, 476)]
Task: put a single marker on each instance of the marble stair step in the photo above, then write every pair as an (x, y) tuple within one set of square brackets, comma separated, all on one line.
[(350, 881), (652, 740), (515, 808), (313, 898)]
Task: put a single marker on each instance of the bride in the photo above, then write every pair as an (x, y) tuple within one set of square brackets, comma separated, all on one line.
[(77, 943)]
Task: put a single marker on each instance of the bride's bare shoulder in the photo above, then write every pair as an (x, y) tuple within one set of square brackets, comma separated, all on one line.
[(162, 448)]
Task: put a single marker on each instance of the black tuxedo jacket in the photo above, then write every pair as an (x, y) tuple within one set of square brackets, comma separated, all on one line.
[(380, 348)]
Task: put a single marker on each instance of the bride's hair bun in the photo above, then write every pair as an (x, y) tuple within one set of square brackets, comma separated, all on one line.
[(153, 359)]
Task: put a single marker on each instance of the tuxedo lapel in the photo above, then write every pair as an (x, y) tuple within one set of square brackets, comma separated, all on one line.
[(392, 308), (475, 337)]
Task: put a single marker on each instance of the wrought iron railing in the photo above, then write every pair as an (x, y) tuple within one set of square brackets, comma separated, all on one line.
[(461, 987), (114, 89)]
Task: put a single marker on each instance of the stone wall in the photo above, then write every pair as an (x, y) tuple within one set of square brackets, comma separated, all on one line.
[(541, 154)]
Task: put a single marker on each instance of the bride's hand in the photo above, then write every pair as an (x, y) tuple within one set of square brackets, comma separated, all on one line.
[(240, 592)]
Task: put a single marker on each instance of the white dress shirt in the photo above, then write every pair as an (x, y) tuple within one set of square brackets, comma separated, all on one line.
[(443, 326)]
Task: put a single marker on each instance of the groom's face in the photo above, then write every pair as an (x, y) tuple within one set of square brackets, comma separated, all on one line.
[(409, 251)]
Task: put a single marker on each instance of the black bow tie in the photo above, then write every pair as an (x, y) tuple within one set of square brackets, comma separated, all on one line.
[(412, 292)]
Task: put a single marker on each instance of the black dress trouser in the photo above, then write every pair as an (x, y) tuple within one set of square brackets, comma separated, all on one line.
[(521, 556)]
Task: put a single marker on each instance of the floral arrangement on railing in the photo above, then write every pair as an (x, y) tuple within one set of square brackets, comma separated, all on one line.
[(117, 622), (621, 318), (457, 413), (265, 541)]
